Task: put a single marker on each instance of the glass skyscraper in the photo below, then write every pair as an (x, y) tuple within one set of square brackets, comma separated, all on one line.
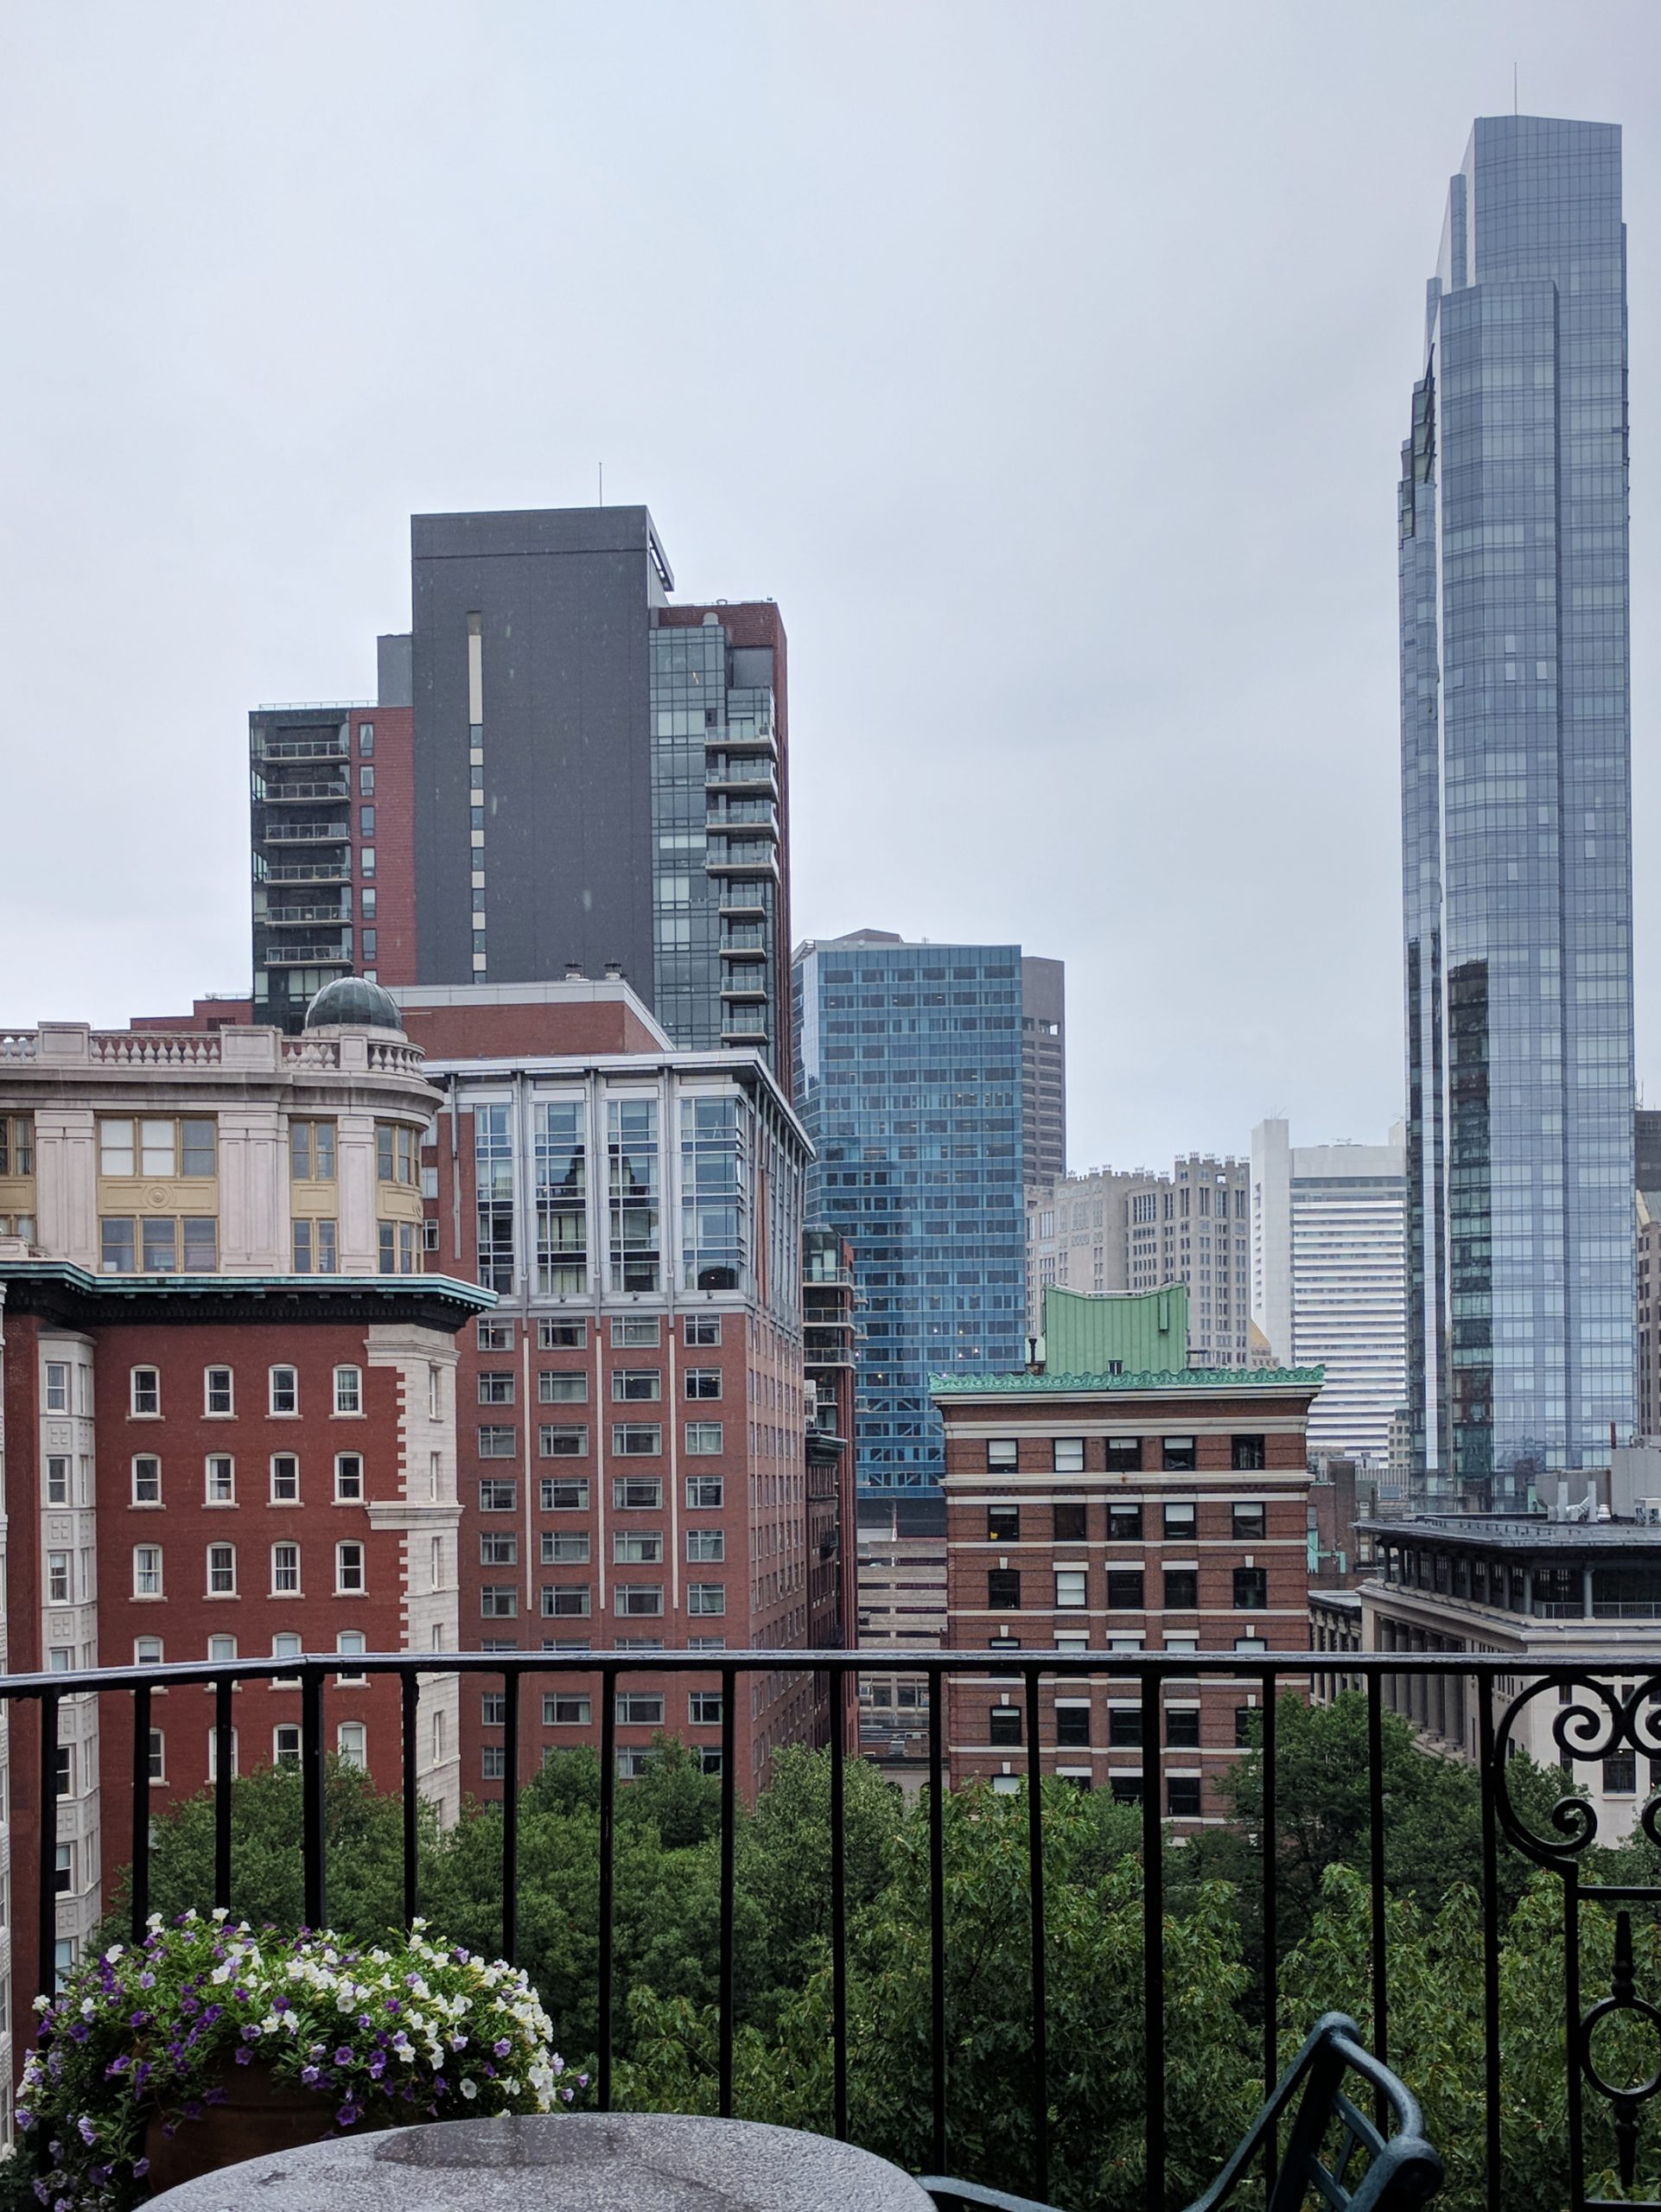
[(908, 1078), (1516, 860)]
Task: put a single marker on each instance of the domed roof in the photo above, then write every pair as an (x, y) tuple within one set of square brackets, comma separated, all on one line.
[(353, 1002)]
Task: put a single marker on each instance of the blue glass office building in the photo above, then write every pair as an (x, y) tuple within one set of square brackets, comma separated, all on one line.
[(908, 1068), (1516, 759)]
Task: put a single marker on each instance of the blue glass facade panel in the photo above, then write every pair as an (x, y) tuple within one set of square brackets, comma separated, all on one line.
[(907, 1077), (1517, 838)]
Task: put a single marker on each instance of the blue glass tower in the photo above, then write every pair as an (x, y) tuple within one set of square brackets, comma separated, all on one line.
[(1516, 860), (907, 1067)]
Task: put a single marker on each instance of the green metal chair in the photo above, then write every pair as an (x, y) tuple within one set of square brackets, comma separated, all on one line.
[(1399, 2172)]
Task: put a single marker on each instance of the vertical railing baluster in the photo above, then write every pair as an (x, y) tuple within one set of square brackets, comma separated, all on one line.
[(410, 1696), (140, 1899), (223, 1763), (1490, 1779), (1380, 1947), (46, 1972), (607, 1869), (937, 1910), (839, 1910), (510, 1817), (1153, 1946), (728, 1840), (1571, 2032), (1272, 1925), (314, 1833), (1035, 1901)]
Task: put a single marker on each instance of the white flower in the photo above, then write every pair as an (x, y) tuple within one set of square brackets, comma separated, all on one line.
[(470, 2090)]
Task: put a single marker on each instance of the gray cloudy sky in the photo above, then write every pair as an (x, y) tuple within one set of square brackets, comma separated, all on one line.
[(1048, 362)]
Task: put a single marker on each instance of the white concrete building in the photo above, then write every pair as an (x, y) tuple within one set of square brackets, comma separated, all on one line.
[(1328, 1282)]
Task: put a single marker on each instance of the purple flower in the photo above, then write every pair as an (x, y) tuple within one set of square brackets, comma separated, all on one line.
[(88, 2133), (343, 2056), (141, 2165), (311, 2076), (24, 2119), (502, 2047), (244, 2054), (348, 2114), (147, 1982)]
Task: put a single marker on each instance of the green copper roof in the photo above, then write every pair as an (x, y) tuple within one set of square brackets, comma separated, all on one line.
[(1143, 1331)]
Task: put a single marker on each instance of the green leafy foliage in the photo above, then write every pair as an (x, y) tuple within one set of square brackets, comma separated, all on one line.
[(667, 1929)]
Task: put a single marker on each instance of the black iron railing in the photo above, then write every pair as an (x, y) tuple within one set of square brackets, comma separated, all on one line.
[(1604, 1708)]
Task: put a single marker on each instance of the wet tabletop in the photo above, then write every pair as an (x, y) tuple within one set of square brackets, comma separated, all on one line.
[(562, 2162)]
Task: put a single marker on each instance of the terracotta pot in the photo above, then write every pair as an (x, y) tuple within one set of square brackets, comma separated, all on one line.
[(258, 2115)]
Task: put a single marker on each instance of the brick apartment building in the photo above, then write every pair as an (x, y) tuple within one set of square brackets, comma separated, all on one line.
[(229, 1403), (1112, 1501), (634, 1408)]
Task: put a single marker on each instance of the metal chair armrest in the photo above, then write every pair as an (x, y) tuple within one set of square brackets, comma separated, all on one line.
[(948, 2195)]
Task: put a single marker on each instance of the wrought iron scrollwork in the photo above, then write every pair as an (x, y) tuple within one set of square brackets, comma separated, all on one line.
[(1592, 1723)]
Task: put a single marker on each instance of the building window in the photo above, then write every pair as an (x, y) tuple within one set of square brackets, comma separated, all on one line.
[(286, 1645), (498, 1601), (1124, 1524), (147, 1651), (1125, 1590), (637, 1600), (1124, 1455), (144, 1386), (702, 1329), (637, 1493), (1251, 1587), (715, 1193), (285, 1478), (348, 1478), (146, 1573), (57, 1481), (57, 1385), (644, 1548), (561, 1600), (561, 1191), (636, 1439), (213, 1755), (499, 1548), (351, 1644), (350, 1743), (492, 1151), (497, 1442), (1072, 1725), (284, 1390), (1070, 1590), (636, 1384), (1246, 1454), (498, 1494), (560, 1710), (702, 1382), (564, 1493), (557, 1388), (495, 1336), (1068, 1523), (562, 1335), (705, 1493), (1003, 1455), (1248, 1522), (146, 1480), (17, 1144), (639, 1709), (285, 1570), (396, 1154), (285, 1744), (496, 1387), (1182, 1590), (1003, 1588), (1182, 1728), (706, 1597), (1180, 1519), (348, 1570), (220, 1479), (1182, 1796), (217, 1390), (1068, 1455), (631, 1184), (348, 1390), (1177, 1454), (562, 1440), (315, 1248), (311, 1152), (703, 1708), (565, 1548), (396, 1247), (157, 1757), (1124, 1728), (1003, 1724), (705, 1544)]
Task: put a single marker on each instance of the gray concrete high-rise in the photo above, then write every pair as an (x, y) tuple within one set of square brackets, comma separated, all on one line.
[(1517, 837), (1043, 1069), (562, 770)]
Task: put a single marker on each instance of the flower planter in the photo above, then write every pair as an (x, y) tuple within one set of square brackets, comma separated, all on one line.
[(259, 2114)]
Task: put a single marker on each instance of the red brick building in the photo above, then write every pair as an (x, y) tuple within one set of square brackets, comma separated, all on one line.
[(1121, 1512)]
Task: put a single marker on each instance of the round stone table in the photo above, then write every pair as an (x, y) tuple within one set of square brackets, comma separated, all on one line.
[(562, 2162)]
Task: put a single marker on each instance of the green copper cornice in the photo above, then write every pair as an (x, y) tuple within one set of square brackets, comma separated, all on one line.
[(1193, 1378)]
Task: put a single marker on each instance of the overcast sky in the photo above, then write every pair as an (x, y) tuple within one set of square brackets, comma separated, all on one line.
[(1047, 363)]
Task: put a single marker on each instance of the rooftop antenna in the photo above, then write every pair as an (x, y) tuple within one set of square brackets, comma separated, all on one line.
[(601, 467), (1513, 90)]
